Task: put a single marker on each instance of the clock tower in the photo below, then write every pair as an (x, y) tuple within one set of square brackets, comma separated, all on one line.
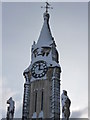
[(42, 77)]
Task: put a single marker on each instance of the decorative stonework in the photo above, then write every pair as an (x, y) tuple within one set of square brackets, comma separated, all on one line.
[(65, 105), (10, 109), (55, 94), (26, 98)]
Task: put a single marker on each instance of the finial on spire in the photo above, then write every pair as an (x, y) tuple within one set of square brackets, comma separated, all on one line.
[(47, 6)]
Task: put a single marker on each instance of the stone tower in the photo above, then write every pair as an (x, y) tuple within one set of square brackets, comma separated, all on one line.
[(42, 77)]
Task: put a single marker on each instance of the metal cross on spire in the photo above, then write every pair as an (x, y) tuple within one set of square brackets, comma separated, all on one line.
[(47, 6)]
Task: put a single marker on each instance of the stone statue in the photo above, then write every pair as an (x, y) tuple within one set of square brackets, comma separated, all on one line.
[(10, 109), (65, 105)]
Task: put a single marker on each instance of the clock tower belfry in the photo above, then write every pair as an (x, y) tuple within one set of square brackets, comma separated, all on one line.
[(42, 77)]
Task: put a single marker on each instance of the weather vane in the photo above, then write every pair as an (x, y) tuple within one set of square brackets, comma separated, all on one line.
[(47, 6)]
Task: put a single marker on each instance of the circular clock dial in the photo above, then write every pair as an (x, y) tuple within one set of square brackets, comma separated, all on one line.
[(39, 69)]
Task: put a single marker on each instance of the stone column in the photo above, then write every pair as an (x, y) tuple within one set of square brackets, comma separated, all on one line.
[(55, 95), (26, 99)]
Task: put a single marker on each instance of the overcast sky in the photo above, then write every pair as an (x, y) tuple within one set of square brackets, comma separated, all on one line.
[(21, 25), (45, 0)]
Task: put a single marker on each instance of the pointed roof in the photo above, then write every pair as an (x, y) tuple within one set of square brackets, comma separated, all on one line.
[(45, 38)]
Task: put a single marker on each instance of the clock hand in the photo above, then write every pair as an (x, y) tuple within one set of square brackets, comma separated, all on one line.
[(40, 67)]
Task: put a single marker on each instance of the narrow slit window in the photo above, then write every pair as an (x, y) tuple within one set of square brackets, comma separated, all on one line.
[(42, 101), (35, 101)]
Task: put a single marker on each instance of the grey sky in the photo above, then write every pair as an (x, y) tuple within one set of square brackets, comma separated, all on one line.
[(45, 0), (0, 57), (22, 23)]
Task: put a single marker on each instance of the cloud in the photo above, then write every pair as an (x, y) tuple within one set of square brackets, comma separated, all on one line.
[(80, 113), (89, 109), (18, 110)]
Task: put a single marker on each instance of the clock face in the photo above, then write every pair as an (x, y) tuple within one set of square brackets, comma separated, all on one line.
[(39, 69)]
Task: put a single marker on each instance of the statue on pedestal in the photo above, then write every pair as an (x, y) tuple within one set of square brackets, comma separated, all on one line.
[(10, 109), (65, 105)]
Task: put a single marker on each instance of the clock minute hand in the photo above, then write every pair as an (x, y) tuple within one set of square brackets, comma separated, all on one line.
[(40, 67)]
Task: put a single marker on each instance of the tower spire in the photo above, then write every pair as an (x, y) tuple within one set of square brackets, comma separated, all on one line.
[(45, 38)]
